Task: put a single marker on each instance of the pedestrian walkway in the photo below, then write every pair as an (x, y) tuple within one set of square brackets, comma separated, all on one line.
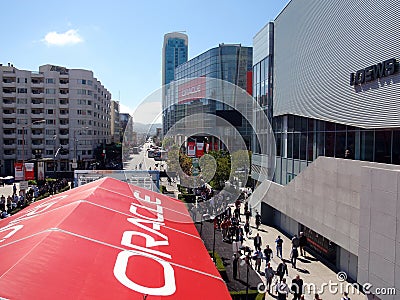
[(225, 251), (310, 269), (7, 189)]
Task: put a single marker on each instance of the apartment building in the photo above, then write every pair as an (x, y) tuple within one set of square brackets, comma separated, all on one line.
[(55, 108), (115, 128)]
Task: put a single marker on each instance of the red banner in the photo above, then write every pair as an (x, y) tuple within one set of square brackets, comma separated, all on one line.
[(193, 89), (29, 171)]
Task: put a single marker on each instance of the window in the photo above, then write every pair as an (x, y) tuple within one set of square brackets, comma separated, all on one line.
[(89, 82), (51, 132), (50, 101), (89, 92), (50, 91), (50, 80), (81, 92), (50, 112), (22, 101), (50, 122), (21, 111), (22, 90)]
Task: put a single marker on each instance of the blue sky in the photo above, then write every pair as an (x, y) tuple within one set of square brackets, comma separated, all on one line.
[(121, 41)]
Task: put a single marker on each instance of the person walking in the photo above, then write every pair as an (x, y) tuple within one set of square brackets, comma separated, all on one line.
[(269, 275), (279, 243), (258, 220), (257, 242), (283, 290), (268, 254), (247, 228), (297, 287), (294, 254), (295, 241), (281, 270), (247, 214), (258, 255), (302, 244)]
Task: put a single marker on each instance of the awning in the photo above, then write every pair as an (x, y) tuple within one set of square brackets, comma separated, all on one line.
[(106, 240)]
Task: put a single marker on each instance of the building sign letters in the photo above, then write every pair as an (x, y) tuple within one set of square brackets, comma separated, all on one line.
[(383, 69)]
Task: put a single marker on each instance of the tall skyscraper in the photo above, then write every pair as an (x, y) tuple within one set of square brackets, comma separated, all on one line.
[(175, 53)]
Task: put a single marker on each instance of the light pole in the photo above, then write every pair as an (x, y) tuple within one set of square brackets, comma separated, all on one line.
[(23, 145)]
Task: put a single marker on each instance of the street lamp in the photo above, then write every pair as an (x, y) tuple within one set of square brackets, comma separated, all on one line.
[(23, 144)]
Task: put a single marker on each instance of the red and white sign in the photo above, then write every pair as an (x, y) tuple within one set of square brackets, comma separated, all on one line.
[(199, 149), (193, 89), (191, 149), (29, 171), (19, 172), (106, 240)]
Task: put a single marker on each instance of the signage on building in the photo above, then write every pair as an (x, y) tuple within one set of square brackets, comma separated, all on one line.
[(19, 173), (193, 89), (191, 149), (29, 171), (40, 166), (383, 69)]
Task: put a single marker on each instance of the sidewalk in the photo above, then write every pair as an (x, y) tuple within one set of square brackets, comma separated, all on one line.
[(310, 269), (7, 189)]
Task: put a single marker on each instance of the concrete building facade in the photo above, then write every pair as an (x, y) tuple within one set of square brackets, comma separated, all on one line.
[(327, 76), (74, 105)]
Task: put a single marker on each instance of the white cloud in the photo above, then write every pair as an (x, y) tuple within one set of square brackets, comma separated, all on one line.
[(70, 37)]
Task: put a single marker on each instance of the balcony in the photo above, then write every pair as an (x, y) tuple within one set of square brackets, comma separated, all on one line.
[(9, 116), (64, 126), (63, 135), (37, 125), (9, 95), (38, 136), (63, 96), (37, 95), (9, 146), (9, 125), (64, 85), (9, 135), (10, 156), (9, 104), (37, 146), (9, 84), (37, 85), (38, 105), (37, 115)]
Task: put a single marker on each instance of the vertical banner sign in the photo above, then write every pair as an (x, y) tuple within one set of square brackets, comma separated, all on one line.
[(40, 167), (199, 149), (29, 171), (191, 149), (19, 173)]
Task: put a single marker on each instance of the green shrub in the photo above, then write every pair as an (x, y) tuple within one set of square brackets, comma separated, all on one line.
[(32, 182), (241, 295), (188, 198), (163, 189), (218, 261)]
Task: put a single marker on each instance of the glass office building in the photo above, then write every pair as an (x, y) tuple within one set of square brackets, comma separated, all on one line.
[(231, 63), (175, 52)]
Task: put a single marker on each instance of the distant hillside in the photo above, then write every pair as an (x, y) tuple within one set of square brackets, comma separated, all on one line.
[(146, 128)]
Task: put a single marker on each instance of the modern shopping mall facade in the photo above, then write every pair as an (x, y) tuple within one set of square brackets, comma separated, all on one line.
[(326, 73)]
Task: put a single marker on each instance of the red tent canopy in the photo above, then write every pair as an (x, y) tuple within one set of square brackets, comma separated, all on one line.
[(106, 240)]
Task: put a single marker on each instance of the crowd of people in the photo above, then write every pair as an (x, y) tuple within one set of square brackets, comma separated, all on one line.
[(276, 280), (18, 200)]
